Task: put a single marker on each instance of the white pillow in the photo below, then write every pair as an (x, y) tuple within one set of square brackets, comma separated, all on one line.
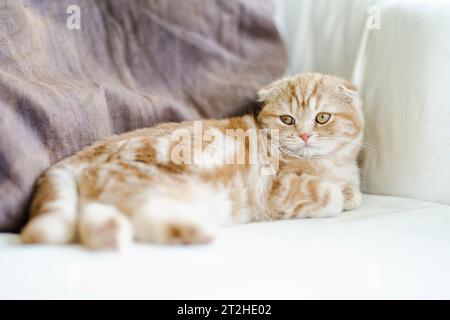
[(403, 71)]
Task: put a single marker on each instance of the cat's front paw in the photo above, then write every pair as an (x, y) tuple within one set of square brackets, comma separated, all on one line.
[(171, 229), (329, 201), (333, 200), (352, 198)]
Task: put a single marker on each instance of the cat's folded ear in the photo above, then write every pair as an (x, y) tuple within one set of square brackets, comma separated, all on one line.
[(350, 90), (272, 90)]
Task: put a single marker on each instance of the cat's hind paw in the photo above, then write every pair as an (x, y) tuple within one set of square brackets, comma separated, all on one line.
[(103, 227), (184, 233), (171, 230), (48, 228)]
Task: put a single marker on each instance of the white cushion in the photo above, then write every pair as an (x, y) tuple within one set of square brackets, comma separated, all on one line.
[(403, 71), (389, 248)]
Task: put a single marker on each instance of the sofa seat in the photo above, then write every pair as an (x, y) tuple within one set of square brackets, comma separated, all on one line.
[(389, 248)]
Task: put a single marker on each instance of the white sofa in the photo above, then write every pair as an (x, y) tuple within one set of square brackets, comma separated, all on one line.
[(389, 248), (392, 247)]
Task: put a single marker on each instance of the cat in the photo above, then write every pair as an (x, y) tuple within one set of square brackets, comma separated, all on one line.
[(298, 161)]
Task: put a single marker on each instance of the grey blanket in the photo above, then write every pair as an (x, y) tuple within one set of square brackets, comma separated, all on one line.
[(69, 77)]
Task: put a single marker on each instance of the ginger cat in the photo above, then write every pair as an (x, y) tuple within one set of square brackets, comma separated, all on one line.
[(177, 182)]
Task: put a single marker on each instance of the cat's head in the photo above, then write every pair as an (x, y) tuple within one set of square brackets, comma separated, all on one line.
[(316, 115)]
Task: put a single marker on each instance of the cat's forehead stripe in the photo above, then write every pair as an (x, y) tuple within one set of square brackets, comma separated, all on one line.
[(298, 92), (302, 95), (293, 107), (309, 92), (314, 94), (294, 101)]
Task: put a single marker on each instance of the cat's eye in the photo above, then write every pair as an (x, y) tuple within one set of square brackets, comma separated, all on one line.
[(323, 118), (287, 120)]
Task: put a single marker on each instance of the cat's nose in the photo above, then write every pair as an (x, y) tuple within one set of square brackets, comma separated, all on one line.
[(305, 136)]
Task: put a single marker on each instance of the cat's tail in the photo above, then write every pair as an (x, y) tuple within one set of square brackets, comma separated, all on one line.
[(53, 211)]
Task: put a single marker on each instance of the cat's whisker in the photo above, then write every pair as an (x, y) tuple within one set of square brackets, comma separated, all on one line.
[(365, 145), (370, 148)]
